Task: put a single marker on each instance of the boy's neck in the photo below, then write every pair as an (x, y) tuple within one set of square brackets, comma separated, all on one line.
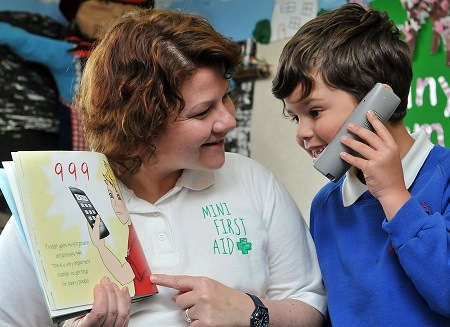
[(401, 137)]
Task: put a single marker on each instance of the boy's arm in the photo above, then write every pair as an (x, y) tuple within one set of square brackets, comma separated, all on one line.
[(420, 239), (421, 243)]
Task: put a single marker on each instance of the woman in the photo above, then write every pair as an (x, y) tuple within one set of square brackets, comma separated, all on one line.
[(154, 99)]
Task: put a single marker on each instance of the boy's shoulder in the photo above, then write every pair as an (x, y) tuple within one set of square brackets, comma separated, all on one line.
[(438, 156), (330, 191)]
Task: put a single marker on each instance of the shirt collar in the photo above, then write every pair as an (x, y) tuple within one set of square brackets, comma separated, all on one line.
[(192, 179), (352, 188)]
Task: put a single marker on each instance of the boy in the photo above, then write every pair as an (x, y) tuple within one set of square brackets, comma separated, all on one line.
[(382, 230)]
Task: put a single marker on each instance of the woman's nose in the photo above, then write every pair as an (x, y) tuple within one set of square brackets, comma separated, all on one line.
[(226, 120)]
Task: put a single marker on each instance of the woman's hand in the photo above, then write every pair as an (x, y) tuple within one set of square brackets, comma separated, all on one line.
[(380, 163), (209, 302), (111, 307)]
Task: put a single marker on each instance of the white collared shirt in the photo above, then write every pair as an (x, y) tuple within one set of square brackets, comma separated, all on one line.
[(352, 188)]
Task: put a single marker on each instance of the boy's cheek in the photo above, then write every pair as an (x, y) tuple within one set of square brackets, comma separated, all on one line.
[(329, 133)]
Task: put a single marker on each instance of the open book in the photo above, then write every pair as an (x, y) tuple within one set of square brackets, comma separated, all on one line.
[(71, 214)]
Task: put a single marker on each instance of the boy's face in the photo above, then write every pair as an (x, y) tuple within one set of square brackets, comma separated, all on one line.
[(319, 116)]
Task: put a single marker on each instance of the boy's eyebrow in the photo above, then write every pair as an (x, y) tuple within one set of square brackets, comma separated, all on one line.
[(289, 112), (303, 102)]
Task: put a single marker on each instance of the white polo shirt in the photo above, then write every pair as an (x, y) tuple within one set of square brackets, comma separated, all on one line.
[(236, 225)]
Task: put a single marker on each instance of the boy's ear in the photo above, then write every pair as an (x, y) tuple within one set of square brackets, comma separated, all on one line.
[(388, 87)]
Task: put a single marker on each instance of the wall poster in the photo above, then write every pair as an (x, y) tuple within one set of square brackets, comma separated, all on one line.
[(426, 26)]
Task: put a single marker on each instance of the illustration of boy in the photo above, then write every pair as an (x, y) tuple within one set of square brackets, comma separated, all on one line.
[(135, 267)]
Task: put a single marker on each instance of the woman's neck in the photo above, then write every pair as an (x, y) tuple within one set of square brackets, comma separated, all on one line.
[(151, 182)]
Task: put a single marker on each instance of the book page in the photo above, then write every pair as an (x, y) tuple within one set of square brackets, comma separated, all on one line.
[(8, 185), (61, 192)]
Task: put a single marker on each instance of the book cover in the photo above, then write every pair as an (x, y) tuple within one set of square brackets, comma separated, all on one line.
[(71, 214)]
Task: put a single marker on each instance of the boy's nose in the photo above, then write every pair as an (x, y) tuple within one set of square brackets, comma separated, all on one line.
[(304, 132)]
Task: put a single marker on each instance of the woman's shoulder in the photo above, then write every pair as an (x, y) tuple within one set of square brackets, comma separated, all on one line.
[(236, 161), (236, 158)]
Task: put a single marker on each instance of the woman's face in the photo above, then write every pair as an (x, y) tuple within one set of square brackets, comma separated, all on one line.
[(195, 140)]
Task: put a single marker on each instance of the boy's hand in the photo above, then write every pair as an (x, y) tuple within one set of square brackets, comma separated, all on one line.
[(111, 307), (380, 164)]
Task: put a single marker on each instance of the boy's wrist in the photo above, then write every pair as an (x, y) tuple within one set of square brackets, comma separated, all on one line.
[(392, 203)]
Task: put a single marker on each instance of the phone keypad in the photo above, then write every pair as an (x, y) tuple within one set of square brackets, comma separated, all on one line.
[(89, 211)]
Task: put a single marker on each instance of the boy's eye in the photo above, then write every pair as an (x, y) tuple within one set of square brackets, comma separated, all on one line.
[(315, 112), (295, 119)]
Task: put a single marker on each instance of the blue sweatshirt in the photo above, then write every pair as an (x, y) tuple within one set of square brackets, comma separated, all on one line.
[(380, 273)]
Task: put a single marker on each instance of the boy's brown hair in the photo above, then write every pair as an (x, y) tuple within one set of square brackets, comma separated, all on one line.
[(352, 49)]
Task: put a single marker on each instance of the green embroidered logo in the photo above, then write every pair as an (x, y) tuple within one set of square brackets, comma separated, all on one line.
[(228, 229), (244, 246)]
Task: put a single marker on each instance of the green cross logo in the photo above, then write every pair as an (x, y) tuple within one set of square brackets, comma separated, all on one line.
[(244, 246)]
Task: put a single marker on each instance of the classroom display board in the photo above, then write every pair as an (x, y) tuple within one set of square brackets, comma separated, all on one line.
[(238, 140), (426, 25)]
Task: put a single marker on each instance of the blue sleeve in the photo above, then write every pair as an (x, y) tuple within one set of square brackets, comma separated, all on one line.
[(53, 54), (420, 234), (49, 52)]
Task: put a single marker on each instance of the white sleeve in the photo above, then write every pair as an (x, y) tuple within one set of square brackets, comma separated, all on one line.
[(21, 300), (294, 268)]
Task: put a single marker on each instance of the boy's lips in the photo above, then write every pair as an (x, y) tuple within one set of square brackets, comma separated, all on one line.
[(316, 152)]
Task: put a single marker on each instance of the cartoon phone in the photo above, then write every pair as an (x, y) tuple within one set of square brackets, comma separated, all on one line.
[(88, 210), (383, 103)]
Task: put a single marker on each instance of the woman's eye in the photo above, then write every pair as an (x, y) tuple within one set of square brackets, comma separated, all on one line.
[(203, 113)]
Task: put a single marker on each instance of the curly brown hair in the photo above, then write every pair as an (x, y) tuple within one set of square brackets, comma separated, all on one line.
[(130, 89)]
